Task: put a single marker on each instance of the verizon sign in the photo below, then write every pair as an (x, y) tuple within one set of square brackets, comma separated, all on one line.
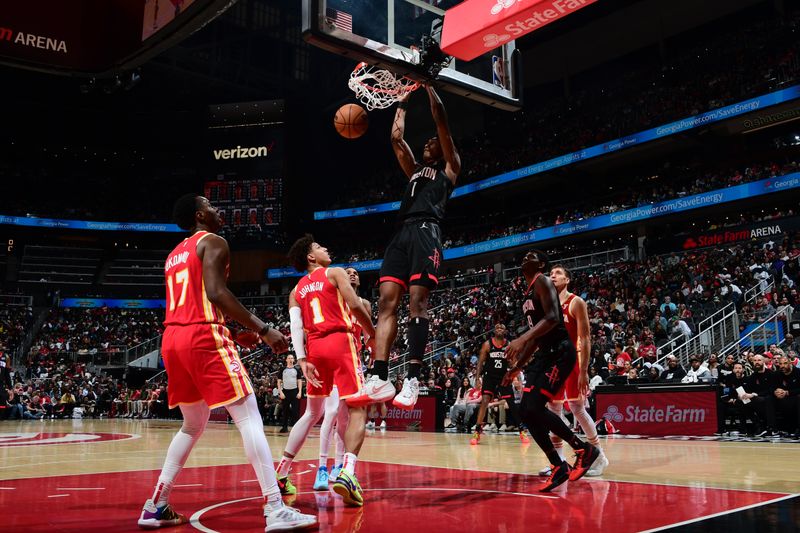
[(683, 412), (241, 152), (474, 27)]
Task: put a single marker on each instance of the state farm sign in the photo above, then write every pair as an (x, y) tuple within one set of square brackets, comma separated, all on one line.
[(474, 27), (660, 413)]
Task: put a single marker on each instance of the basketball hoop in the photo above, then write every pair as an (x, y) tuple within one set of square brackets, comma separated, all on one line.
[(378, 88)]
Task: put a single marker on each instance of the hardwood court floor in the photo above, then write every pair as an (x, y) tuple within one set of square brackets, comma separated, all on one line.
[(89, 475)]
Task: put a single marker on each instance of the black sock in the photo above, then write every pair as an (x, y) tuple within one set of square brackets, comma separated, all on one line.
[(417, 338), (414, 370), (381, 369)]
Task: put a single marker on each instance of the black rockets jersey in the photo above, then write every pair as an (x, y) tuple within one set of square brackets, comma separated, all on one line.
[(496, 364), (426, 194), (534, 312)]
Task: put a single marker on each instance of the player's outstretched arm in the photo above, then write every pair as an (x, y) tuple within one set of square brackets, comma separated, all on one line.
[(401, 149), (341, 281), (214, 252), (451, 157)]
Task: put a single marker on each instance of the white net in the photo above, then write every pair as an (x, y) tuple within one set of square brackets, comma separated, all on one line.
[(378, 88)]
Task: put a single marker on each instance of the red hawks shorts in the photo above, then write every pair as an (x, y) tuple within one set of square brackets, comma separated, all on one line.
[(203, 365), (337, 361), (571, 391)]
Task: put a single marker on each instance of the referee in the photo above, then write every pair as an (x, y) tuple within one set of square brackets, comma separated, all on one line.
[(290, 388)]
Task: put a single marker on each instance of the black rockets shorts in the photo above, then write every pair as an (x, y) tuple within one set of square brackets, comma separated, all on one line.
[(414, 255), (550, 369)]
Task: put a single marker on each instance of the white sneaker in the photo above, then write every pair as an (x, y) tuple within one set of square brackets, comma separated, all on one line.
[(287, 519), (546, 471), (503, 428), (599, 466), (383, 424), (492, 427), (375, 390), (407, 397), (370, 425)]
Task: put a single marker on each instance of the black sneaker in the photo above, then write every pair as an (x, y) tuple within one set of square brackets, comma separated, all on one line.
[(584, 459), (558, 475)]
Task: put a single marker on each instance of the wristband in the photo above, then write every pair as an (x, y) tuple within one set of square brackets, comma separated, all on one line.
[(401, 105), (263, 331)]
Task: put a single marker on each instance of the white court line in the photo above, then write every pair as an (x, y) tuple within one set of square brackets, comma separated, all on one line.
[(189, 485), (249, 481), (723, 513), (195, 518), (80, 488), (589, 479), (58, 495), (8, 488)]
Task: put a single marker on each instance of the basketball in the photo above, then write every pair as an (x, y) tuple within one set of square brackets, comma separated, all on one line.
[(351, 121)]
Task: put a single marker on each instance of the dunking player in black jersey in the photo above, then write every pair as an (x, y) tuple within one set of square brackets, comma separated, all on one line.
[(414, 255), (545, 379), (492, 368)]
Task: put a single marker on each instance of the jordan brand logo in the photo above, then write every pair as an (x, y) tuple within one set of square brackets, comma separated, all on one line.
[(553, 375), (436, 258)]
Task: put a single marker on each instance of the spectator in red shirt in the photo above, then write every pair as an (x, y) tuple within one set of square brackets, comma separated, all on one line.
[(618, 360), (648, 350)]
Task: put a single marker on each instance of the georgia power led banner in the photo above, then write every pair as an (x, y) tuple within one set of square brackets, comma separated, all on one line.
[(703, 119), (637, 214), (112, 303), (89, 224)]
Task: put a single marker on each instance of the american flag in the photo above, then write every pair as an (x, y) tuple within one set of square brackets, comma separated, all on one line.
[(340, 19)]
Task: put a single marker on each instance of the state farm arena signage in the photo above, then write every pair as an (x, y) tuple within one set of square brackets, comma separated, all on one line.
[(738, 234), (30, 40), (684, 412)]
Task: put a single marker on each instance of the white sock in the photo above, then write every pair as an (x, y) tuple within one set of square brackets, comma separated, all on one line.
[(195, 417), (350, 460), (587, 424), (284, 466), (248, 421)]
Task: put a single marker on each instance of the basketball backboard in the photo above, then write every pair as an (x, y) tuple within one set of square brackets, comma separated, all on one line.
[(387, 32)]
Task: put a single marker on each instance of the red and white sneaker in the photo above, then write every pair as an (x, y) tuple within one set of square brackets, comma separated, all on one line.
[(375, 390), (407, 397)]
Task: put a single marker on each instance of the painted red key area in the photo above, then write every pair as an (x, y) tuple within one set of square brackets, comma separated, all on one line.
[(415, 499)]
